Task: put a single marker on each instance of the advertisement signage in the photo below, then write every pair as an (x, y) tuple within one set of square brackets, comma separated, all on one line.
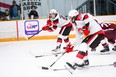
[(31, 27)]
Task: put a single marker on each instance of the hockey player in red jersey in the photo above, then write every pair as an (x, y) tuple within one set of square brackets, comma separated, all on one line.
[(89, 34), (110, 33), (55, 20)]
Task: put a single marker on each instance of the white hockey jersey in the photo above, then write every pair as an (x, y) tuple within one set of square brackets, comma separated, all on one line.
[(59, 21), (87, 20), (86, 23)]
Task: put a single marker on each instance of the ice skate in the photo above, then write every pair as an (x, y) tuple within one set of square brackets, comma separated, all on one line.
[(105, 50), (114, 49), (74, 66), (57, 49), (86, 62), (93, 49), (79, 66)]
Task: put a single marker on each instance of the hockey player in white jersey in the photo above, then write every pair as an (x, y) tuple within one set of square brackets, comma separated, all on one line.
[(89, 34), (55, 20)]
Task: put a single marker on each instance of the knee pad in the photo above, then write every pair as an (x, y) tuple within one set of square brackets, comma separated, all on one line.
[(83, 47), (61, 36)]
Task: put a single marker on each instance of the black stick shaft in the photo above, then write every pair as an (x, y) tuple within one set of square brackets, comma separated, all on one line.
[(34, 35), (57, 60)]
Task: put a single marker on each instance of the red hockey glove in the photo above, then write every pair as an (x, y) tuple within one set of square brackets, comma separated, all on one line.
[(49, 23), (44, 28), (69, 48), (86, 32)]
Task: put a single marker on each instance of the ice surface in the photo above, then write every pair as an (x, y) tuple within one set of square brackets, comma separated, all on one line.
[(17, 60)]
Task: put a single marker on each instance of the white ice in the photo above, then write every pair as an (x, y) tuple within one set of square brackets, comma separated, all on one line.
[(17, 60)]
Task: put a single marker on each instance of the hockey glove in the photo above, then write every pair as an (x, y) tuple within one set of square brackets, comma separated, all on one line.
[(49, 23), (44, 28), (69, 48), (86, 32)]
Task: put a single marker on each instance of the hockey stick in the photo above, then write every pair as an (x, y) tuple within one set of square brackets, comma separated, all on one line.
[(53, 69), (51, 54), (57, 60), (92, 66), (34, 35), (47, 68)]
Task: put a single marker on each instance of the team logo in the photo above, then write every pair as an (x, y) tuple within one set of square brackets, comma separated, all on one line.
[(31, 27)]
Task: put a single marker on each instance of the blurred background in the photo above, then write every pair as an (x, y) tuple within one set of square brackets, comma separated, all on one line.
[(95, 7)]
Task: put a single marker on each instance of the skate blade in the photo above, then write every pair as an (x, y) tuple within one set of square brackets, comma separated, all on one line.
[(104, 53), (68, 69)]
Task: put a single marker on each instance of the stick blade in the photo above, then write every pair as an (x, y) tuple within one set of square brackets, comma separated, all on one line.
[(39, 56), (45, 68), (114, 64)]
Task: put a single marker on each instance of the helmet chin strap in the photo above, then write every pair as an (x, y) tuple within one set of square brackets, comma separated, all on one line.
[(73, 19)]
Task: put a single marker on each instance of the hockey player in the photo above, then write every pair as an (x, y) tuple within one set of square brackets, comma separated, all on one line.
[(55, 20), (110, 33), (89, 34)]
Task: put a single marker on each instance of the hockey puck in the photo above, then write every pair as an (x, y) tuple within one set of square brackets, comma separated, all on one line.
[(56, 55), (45, 68)]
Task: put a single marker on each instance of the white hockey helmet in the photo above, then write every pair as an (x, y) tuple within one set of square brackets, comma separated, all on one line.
[(53, 11), (72, 13)]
